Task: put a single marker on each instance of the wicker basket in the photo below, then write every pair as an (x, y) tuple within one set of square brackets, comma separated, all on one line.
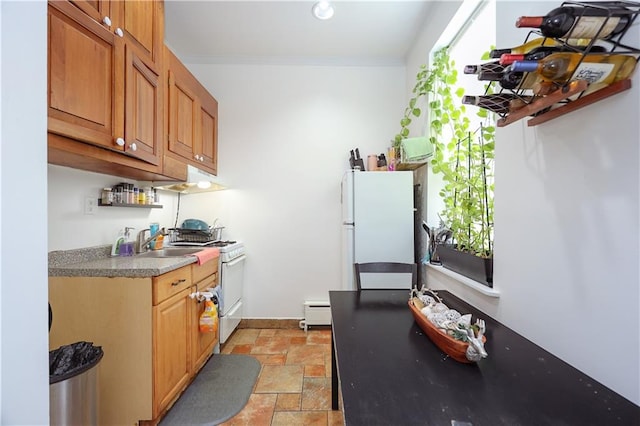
[(456, 349)]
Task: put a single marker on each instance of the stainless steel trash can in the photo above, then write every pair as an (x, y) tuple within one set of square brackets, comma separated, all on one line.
[(73, 394)]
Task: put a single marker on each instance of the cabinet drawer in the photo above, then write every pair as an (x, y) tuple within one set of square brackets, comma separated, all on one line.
[(209, 282), (166, 285), (200, 272)]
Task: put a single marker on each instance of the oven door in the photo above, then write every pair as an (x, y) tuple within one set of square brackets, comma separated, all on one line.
[(230, 321), (231, 282)]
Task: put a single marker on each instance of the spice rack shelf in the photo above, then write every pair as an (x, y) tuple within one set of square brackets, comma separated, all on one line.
[(140, 206), (574, 94)]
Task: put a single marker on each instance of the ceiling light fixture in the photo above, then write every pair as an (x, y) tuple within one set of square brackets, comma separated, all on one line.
[(322, 10)]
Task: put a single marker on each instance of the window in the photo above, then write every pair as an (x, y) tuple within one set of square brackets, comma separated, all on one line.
[(469, 34)]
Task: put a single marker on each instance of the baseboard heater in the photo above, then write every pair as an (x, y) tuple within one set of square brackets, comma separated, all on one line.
[(316, 313)]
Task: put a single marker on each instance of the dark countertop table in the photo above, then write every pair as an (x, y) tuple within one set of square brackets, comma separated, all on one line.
[(390, 373)]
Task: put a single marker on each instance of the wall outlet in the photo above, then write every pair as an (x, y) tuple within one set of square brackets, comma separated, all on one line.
[(90, 205)]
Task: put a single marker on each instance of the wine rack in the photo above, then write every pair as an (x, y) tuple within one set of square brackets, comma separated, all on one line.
[(573, 94)]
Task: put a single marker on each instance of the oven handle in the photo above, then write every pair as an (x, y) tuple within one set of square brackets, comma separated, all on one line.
[(234, 261)]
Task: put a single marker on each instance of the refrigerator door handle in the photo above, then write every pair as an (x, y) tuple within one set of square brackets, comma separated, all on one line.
[(348, 223)]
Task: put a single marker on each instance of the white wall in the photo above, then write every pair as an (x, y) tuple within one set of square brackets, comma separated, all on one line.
[(24, 373), (285, 133), (567, 221), (70, 227)]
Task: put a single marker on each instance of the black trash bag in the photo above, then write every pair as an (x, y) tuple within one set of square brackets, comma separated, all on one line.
[(70, 360)]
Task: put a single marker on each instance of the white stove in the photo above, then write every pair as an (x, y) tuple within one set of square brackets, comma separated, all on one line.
[(231, 271), (229, 250)]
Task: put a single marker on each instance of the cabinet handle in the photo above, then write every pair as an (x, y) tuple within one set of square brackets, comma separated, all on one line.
[(197, 157), (175, 283), (106, 21), (119, 32), (120, 142), (133, 147)]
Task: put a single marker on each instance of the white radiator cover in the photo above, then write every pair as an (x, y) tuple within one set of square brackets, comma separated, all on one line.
[(316, 313)]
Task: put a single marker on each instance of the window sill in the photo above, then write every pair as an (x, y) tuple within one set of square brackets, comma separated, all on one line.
[(487, 291)]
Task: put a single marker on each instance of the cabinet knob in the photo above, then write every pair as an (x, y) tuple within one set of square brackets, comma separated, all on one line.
[(120, 142), (197, 157), (119, 32), (107, 21), (133, 147)]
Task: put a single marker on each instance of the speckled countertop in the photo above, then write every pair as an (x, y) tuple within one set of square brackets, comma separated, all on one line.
[(97, 262)]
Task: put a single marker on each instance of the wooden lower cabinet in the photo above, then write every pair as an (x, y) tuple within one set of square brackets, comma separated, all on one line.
[(172, 339), (148, 330)]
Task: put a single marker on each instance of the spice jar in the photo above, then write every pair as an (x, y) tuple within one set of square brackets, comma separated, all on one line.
[(107, 197)]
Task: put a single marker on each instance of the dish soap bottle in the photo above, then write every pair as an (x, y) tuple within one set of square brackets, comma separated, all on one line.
[(123, 245)]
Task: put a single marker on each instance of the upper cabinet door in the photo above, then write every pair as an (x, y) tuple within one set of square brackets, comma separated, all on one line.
[(183, 113), (209, 132), (82, 78), (143, 100), (98, 10), (142, 23)]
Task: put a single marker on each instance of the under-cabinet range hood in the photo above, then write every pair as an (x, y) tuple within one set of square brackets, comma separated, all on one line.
[(197, 181)]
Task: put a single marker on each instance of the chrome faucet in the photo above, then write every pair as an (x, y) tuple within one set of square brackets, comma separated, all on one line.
[(142, 245)]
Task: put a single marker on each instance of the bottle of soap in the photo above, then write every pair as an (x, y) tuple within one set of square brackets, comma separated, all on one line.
[(124, 244), (115, 248), (127, 248)]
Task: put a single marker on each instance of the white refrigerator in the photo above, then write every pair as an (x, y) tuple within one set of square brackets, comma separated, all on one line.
[(377, 225)]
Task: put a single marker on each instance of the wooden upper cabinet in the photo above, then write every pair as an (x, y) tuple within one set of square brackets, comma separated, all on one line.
[(142, 22), (83, 77), (193, 118), (104, 81)]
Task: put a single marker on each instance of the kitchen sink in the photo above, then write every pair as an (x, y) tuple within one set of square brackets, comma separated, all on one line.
[(170, 252)]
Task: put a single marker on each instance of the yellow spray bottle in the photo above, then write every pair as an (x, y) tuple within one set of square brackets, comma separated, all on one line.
[(209, 317)]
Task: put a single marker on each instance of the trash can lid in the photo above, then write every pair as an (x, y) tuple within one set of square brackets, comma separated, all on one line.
[(71, 360)]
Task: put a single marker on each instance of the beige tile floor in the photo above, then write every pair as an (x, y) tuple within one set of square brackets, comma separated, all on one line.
[(294, 385)]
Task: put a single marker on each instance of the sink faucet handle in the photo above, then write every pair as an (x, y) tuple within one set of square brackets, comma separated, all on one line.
[(140, 245)]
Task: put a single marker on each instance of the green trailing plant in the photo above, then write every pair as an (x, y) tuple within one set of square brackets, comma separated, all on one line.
[(464, 158), (463, 153), (434, 84)]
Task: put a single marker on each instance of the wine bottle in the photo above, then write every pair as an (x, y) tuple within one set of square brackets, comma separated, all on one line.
[(541, 52), (559, 67), (509, 79), (486, 67), (579, 22), (536, 42), (526, 47), (501, 103)]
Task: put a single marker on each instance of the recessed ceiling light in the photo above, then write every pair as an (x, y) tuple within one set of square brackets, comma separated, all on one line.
[(322, 10)]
